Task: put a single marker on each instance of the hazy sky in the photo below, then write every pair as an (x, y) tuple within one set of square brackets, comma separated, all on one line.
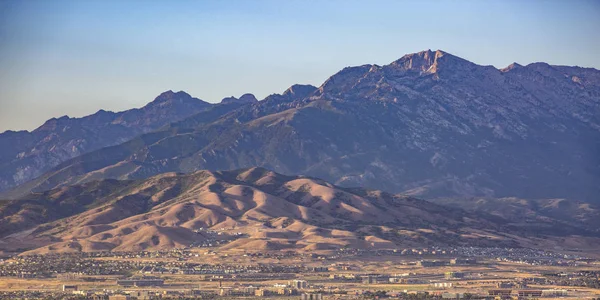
[(75, 57)]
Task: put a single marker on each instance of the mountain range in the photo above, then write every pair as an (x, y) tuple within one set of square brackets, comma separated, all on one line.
[(513, 152), (429, 124), (25, 155)]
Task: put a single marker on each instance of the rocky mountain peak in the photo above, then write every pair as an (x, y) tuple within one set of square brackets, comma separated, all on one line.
[(361, 82), (248, 98), (60, 139), (53, 123), (428, 62), (178, 101), (170, 96), (511, 67), (344, 79), (300, 90), (245, 98), (420, 61)]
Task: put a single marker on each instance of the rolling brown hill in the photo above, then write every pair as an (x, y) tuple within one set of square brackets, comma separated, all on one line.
[(252, 209)]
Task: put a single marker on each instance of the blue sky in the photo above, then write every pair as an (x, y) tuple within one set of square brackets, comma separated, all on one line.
[(76, 57)]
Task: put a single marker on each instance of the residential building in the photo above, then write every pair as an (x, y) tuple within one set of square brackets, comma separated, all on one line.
[(529, 293), (298, 284), (311, 296), (69, 288), (500, 292)]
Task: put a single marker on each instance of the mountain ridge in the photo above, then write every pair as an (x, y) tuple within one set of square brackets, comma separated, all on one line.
[(255, 209), (463, 130), (26, 154)]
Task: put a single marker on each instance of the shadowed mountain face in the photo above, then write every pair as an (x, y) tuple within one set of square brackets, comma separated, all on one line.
[(25, 155), (524, 211), (263, 209), (429, 124)]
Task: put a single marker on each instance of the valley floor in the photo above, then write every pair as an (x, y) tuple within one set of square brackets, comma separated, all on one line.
[(346, 274)]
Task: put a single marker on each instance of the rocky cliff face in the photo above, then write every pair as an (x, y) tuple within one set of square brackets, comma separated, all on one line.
[(26, 155), (429, 124)]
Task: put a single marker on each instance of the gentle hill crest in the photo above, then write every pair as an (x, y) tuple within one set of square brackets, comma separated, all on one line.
[(254, 209)]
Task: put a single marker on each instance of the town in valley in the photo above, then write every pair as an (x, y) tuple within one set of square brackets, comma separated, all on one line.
[(207, 273)]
